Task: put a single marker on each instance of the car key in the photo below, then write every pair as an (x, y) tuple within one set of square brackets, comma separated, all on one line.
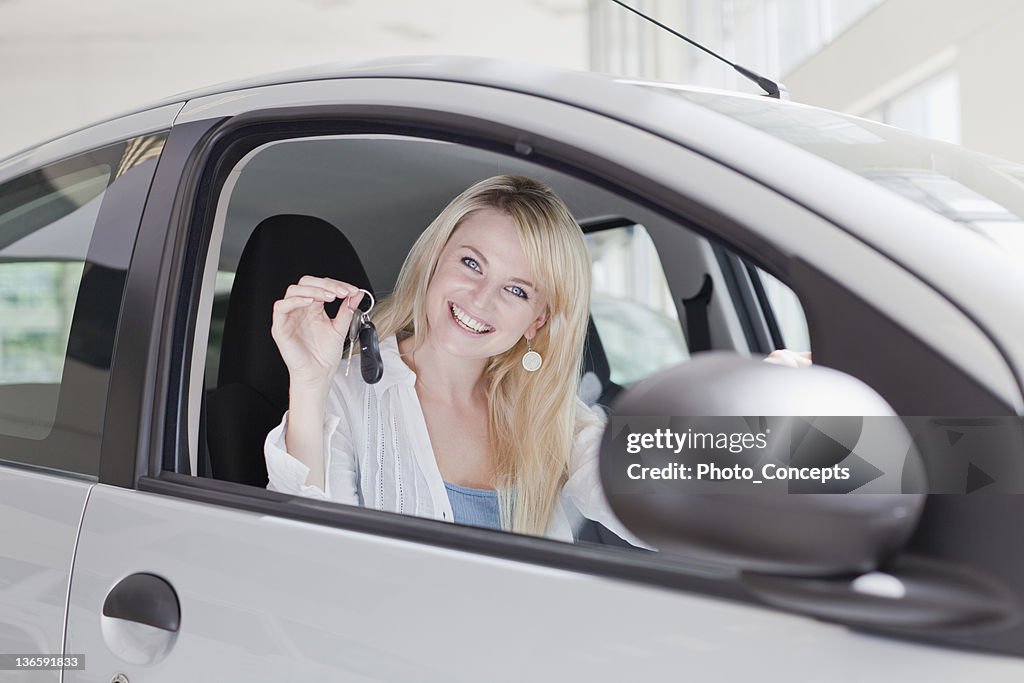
[(353, 332), (369, 348)]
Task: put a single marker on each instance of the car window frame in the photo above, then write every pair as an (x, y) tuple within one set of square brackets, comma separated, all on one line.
[(196, 159), (249, 127), (173, 472)]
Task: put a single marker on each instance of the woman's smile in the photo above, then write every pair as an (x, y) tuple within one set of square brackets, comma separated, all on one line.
[(467, 321)]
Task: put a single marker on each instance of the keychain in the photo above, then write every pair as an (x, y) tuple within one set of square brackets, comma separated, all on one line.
[(363, 329)]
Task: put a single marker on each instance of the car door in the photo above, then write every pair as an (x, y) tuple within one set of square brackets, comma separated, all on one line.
[(179, 576), (68, 215)]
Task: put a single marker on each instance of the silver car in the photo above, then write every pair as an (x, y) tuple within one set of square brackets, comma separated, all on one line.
[(138, 380)]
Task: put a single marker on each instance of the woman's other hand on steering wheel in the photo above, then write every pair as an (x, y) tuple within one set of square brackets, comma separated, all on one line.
[(790, 359)]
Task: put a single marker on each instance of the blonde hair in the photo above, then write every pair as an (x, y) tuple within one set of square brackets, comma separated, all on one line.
[(531, 415)]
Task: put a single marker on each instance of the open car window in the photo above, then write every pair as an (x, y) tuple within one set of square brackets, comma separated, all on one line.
[(372, 195)]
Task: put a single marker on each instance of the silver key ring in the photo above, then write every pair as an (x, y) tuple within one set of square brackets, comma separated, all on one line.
[(373, 302)]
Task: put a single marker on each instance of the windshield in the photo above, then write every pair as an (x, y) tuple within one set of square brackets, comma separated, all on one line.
[(981, 192)]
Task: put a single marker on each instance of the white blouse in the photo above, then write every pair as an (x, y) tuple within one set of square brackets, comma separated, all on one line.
[(377, 454)]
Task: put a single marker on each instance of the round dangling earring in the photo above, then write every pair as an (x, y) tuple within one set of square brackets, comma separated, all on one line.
[(531, 359)]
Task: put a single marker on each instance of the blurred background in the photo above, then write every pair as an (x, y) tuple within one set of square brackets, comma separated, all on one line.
[(938, 67)]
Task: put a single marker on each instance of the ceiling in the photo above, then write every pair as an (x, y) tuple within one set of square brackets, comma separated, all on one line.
[(65, 63)]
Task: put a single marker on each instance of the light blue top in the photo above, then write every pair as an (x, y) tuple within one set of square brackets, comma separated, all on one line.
[(475, 507)]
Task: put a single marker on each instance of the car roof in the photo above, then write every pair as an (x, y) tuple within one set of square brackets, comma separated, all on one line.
[(547, 81)]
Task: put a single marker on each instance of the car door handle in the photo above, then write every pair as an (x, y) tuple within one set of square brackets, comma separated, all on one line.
[(145, 599), (913, 593)]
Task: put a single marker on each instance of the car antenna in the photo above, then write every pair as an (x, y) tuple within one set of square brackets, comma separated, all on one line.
[(770, 87)]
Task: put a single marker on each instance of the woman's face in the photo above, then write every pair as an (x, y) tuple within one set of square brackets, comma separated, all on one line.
[(482, 299)]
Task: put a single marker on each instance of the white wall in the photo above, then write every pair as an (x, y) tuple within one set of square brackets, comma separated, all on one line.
[(66, 63), (895, 46), (903, 42)]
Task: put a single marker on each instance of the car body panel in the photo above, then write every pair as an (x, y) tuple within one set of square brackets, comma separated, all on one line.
[(40, 515), (265, 598)]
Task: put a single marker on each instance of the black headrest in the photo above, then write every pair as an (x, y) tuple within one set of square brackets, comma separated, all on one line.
[(594, 358), (280, 251)]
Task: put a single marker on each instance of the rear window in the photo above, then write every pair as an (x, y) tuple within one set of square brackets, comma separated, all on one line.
[(66, 232)]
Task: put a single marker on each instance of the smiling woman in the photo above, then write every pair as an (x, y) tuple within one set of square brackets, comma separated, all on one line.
[(463, 426)]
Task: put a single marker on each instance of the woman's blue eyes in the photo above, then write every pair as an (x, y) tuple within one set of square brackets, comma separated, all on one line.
[(514, 290)]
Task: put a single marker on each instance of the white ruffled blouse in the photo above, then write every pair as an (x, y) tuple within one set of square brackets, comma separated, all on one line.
[(377, 454)]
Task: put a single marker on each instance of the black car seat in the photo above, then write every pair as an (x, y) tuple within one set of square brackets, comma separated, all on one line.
[(251, 394), (596, 385)]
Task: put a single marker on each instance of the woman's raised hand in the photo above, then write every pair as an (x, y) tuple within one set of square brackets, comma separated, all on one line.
[(309, 341)]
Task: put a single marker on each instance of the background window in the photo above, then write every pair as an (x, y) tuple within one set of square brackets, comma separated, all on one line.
[(632, 306), (221, 296), (46, 222), (931, 109)]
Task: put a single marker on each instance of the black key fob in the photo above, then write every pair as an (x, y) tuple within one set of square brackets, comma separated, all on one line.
[(369, 353)]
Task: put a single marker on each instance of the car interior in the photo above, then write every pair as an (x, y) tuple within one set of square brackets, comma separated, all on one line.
[(349, 207)]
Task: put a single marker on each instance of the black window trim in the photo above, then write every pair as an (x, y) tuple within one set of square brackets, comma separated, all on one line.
[(767, 310), (739, 286)]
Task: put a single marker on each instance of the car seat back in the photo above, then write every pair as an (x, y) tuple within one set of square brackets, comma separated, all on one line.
[(251, 394)]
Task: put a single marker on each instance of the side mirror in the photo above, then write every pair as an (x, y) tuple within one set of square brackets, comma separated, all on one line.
[(760, 528)]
